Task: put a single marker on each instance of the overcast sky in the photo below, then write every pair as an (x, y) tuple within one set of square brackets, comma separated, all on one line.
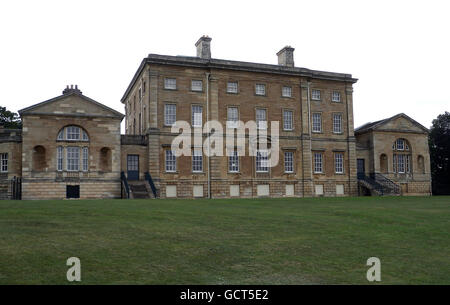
[(399, 50)]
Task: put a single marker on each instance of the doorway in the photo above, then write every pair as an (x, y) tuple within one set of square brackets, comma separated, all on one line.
[(133, 167), (360, 167)]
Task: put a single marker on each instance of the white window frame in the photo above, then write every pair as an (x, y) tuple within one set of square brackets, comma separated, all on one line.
[(316, 122), (315, 94), (286, 91), (233, 162), (197, 161), (262, 161), (4, 162), (261, 120), (318, 163), (288, 120), (288, 161), (232, 118), (232, 87), (170, 161), (401, 164), (398, 146), (84, 136), (85, 159), (337, 123), (170, 83), (170, 114), (73, 158), (336, 96), (60, 135), (197, 85), (339, 163), (260, 89), (197, 115), (73, 133), (60, 158)]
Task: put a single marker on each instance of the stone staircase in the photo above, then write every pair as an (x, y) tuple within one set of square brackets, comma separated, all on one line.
[(140, 190), (378, 185)]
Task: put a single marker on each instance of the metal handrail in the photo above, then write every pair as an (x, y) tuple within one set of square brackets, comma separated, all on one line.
[(152, 185), (123, 178), (386, 182), (377, 186)]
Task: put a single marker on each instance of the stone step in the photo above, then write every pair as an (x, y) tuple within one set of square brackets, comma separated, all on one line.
[(139, 190)]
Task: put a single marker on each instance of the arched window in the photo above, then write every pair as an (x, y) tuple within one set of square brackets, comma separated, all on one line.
[(401, 158), (400, 145), (72, 152), (383, 164), (72, 133), (39, 158)]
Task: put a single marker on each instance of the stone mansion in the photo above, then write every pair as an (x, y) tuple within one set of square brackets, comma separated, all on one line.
[(71, 146)]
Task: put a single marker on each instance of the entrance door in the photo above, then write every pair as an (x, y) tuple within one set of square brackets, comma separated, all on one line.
[(133, 167), (72, 191), (360, 167)]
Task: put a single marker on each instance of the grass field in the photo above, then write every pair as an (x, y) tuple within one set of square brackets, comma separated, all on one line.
[(240, 241)]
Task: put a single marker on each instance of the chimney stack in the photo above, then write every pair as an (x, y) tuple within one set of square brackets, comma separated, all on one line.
[(71, 89), (286, 56), (204, 47)]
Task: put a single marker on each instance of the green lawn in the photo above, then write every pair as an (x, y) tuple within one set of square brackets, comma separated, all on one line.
[(240, 241)]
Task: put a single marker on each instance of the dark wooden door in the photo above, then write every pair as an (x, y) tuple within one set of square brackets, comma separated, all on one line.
[(133, 167), (360, 167), (72, 191)]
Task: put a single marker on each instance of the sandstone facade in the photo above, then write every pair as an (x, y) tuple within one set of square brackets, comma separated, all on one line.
[(377, 148), (318, 151), (147, 97)]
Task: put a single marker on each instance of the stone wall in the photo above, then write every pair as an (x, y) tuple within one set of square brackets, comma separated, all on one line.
[(57, 190)]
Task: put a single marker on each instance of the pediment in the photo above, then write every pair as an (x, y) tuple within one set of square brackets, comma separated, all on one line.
[(71, 105), (401, 123)]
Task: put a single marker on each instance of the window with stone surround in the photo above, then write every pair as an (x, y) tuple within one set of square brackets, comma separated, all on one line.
[(232, 117), (262, 161), (260, 89), (316, 122), (232, 87), (288, 116), (336, 96), (72, 133), (261, 118), (197, 161), (170, 114), (401, 158), (288, 162), (233, 162), (59, 158), (339, 163), (318, 162), (197, 85), (337, 123), (4, 162), (85, 165), (73, 158), (315, 95), (286, 91), (171, 162), (170, 83), (197, 114)]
